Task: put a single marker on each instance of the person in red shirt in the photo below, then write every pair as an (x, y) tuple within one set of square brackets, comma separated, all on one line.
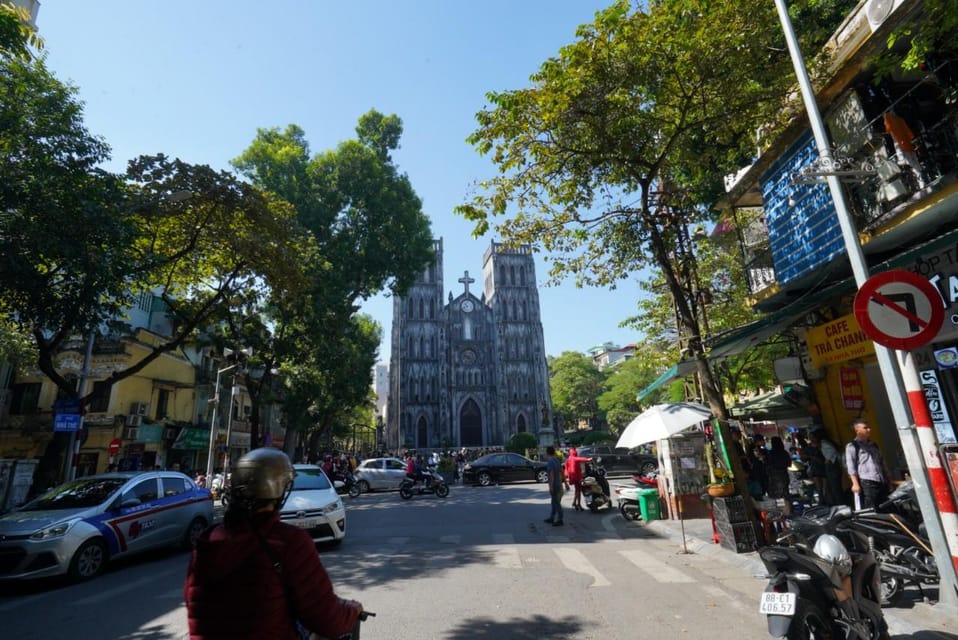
[(573, 475), (255, 577)]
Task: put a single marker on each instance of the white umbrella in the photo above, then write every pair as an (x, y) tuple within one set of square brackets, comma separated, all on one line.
[(662, 421)]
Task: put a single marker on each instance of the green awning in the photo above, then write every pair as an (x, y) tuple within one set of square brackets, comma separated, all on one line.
[(192, 438), (679, 370)]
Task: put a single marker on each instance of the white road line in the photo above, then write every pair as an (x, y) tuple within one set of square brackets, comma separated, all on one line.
[(575, 561), (719, 594), (503, 538), (129, 586), (655, 568), (453, 539), (507, 558)]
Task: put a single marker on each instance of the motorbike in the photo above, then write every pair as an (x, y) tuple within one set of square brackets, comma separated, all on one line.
[(346, 484), (823, 581), (899, 539), (433, 484), (628, 495), (595, 488)]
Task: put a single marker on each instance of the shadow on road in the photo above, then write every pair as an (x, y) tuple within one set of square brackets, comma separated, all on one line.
[(927, 635), (534, 628)]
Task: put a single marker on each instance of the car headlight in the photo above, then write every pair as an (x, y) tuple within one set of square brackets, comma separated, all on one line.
[(53, 531), (333, 506)]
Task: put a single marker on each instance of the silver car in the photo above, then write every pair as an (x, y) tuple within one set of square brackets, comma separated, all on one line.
[(314, 505), (380, 474), (77, 527)]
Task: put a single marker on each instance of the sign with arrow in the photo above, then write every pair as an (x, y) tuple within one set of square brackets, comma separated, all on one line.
[(899, 309)]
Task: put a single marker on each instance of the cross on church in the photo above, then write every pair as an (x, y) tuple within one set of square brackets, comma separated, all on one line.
[(466, 281)]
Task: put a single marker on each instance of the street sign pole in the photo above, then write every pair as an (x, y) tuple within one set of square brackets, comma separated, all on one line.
[(891, 375), (73, 449)]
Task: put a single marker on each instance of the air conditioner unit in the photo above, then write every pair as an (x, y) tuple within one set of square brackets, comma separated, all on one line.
[(134, 420), (131, 433), (877, 11), (139, 408)]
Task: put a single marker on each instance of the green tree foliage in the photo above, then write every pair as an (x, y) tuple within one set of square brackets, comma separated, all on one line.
[(17, 35), (576, 384), (370, 235), (624, 382), (522, 442)]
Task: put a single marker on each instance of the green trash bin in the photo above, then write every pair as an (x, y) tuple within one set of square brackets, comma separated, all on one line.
[(649, 504)]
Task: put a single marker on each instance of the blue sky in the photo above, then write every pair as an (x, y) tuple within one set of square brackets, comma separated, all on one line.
[(195, 80)]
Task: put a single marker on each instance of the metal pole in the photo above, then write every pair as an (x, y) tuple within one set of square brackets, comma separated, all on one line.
[(73, 449), (229, 428), (213, 430), (890, 372)]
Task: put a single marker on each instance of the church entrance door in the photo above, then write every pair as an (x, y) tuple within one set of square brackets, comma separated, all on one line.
[(422, 434), (470, 425)]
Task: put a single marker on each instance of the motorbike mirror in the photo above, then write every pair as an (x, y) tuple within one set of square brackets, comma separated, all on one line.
[(339, 484)]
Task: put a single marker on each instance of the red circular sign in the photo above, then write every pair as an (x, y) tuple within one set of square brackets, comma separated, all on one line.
[(899, 309), (114, 447)]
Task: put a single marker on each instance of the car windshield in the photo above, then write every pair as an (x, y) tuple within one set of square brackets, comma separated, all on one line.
[(309, 479), (79, 494)]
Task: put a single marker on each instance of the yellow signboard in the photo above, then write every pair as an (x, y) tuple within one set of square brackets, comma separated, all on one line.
[(840, 340)]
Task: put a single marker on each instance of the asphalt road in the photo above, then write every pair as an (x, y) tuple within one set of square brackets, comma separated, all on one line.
[(478, 565)]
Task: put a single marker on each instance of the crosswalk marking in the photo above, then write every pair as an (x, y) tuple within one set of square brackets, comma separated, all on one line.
[(507, 558), (719, 594), (655, 568), (574, 560)]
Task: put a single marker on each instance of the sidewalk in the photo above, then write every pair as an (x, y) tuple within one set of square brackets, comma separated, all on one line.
[(913, 618)]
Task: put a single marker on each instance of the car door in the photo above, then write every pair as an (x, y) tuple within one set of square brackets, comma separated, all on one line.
[(393, 473), (177, 511), (371, 472), (136, 522), (513, 468)]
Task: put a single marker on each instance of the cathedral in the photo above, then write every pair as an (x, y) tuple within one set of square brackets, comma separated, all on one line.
[(470, 372)]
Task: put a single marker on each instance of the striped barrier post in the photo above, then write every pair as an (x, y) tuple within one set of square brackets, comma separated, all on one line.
[(938, 481)]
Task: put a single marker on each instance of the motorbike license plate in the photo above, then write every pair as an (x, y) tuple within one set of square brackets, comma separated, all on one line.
[(777, 604), (306, 524)]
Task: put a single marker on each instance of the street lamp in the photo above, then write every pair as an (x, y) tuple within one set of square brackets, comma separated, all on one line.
[(216, 403)]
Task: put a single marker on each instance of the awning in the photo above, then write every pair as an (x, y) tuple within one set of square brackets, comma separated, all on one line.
[(192, 438), (768, 406), (680, 370)]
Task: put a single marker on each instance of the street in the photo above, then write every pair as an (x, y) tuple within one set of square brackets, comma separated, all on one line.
[(479, 564)]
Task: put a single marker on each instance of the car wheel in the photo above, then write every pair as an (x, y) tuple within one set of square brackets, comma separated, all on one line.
[(363, 486), (442, 490), (542, 476), (485, 479), (648, 468), (89, 560), (193, 532)]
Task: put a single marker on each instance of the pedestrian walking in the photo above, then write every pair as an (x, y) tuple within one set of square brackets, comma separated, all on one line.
[(556, 481), (866, 468), (573, 476)]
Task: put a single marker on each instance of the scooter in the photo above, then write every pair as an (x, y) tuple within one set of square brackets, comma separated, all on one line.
[(346, 484), (433, 484), (595, 488), (823, 582), (628, 495)]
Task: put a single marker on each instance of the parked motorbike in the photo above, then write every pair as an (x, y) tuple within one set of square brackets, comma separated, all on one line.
[(823, 582), (595, 488), (433, 484), (899, 539), (628, 495)]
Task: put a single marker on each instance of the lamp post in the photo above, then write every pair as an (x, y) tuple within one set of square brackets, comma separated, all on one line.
[(216, 403)]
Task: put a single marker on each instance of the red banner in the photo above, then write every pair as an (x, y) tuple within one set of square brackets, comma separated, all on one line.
[(853, 396)]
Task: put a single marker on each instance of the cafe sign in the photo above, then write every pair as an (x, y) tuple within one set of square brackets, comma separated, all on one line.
[(840, 340)]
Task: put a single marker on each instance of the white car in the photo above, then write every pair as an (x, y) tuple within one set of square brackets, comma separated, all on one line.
[(380, 474), (314, 505)]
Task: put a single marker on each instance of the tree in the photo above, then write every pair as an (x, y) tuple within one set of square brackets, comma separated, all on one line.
[(606, 159), (370, 234), (522, 442), (576, 384), (619, 400), (17, 35)]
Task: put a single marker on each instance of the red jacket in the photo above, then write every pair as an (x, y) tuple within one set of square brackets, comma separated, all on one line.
[(232, 590)]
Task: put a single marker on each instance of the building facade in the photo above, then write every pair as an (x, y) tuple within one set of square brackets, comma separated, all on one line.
[(469, 371)]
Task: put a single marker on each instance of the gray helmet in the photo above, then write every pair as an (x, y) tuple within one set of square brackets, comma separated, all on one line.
[(831, 549), (261, 476)]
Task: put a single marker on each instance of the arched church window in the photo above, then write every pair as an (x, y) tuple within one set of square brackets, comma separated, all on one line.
[(422, 347), (522, 275), (521, 424), (422, 314), (512, 274), (432, 308)]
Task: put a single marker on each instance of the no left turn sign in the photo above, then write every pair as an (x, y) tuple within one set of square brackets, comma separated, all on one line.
[(899, 309)]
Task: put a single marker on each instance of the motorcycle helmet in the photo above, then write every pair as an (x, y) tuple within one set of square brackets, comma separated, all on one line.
[(831, 549), (262, 476)]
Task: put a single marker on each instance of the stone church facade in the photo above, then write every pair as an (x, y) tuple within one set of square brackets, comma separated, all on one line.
[(470, 371)]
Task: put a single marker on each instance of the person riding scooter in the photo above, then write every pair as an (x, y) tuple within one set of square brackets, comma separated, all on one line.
[(415, 468)]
